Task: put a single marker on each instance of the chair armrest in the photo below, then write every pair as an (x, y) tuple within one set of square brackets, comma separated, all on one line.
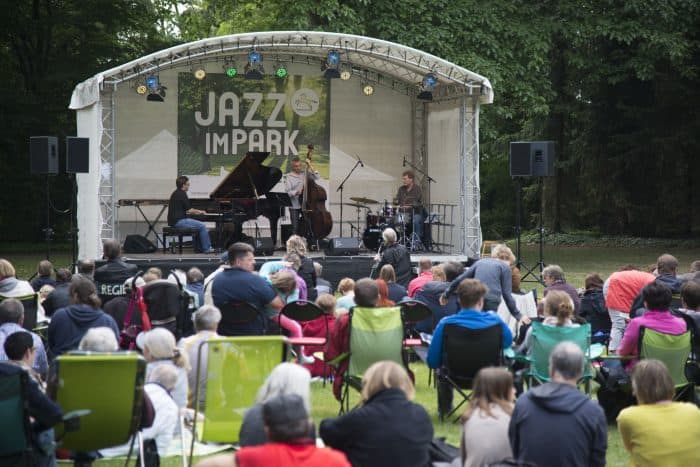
[(71, 420)]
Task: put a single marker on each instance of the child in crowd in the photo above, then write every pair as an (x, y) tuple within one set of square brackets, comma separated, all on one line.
[(290, 263), (285, 284), (558, 311), (317, 328), (346, 289)]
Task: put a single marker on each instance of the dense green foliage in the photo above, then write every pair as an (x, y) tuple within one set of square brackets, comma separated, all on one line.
[(615, 84)]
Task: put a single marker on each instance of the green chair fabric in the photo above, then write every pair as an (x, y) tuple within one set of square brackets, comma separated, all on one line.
[(672, 349), (15, 441), (236, 368), (545, 338), (110, 385), (376, 334)]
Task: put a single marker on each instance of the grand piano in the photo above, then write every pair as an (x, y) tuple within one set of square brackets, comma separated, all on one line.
[(239, 198)]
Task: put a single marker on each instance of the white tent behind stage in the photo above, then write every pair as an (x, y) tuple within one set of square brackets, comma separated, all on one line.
[(134, 143)]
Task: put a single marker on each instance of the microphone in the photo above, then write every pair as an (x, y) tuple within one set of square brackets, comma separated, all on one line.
[(359, 160), (404, 162)]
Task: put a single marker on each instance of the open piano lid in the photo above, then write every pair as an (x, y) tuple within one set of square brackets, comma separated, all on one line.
[(248, 179)]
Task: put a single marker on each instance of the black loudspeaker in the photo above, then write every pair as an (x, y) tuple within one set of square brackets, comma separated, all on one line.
[(138, 244), (532, 159), (343, 246), (43, 154), (77, 155), (263, 246)]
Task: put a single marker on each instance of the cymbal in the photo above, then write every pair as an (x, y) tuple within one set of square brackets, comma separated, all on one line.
[(354, 205), (364, 200)]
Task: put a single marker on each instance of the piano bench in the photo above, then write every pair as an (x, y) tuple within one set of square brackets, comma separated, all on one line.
[(179, 233)]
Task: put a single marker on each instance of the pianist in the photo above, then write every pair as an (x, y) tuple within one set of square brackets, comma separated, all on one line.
[(178, 210)]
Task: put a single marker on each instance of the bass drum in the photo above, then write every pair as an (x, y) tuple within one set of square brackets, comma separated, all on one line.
[(372, 237)]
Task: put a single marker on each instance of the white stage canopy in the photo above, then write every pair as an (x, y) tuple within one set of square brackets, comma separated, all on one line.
[(134, 143)]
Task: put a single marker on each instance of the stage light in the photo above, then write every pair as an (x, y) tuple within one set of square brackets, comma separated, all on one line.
[(141, 89), (281, 71), (427, 85), (331, 67), (231, 71), (367, 89), (254, 68), (156, 91), (200, 74), (346, 72)]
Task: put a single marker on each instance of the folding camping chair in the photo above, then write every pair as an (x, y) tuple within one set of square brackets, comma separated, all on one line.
[(304, 311), (376, 334), (674, 350), (465, 351), (236, 316), (236, 367)]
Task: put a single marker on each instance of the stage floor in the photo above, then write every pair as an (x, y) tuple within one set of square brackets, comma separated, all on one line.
[(334, 267)]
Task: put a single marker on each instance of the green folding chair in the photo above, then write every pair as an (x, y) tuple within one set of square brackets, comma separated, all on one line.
[(110, 385), (544, 339), (236, 368), (376, 334), (674, 351), (15, 442)]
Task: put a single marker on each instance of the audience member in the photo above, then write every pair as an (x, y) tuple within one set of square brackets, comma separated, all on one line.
[(387, 429), (86, 268), (593, 308), (558, 312), (69, 325), (11, 319), (437, 274), (317, 328), (99, 339), (195, 285), (666, 267), (553, 278), (620, 290), (397, 292), (395, 254), (291, 262), (659, 431), (206, 321), (11, 287), (44, 271), (657, 301), (346, 289), (60, 296), (495, 274), (471, 294), (690, 297), (383, 299), (152, 274), (19, 349), (693, 273), (555, 424), (239, 283), (322, 285), (110, 276), (285, 284), (485, 422), (432, 291), (159, 385), (307, 271), (287, 426), (43, 411), (44, 292), (424, 275), (159, 349), (285, 378)]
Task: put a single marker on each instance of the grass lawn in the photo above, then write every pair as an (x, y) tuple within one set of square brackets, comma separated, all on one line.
[(576, 262)]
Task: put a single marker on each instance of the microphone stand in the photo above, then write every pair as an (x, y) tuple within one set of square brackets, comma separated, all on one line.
[(340, 189)]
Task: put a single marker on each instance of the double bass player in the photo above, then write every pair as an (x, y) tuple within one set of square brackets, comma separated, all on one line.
[(294, 183)]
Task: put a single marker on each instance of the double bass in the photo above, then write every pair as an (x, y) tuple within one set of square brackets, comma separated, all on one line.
[(317, 222)]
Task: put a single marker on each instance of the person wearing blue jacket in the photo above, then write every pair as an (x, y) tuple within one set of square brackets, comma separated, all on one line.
[(471, 294)]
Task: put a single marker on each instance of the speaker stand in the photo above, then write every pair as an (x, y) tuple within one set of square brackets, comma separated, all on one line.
[(73, 232), (536, 270), (48, 230)]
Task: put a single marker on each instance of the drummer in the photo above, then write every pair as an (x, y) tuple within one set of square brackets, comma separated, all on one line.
[(409, 198)]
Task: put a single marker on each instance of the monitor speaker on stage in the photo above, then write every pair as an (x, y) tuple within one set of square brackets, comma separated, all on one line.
[(343, 246), (77, 155), (263, 246), (532, 159), (43, 154)]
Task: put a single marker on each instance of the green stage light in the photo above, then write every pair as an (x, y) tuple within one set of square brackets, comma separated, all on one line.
[(231, 72), (281, 71)]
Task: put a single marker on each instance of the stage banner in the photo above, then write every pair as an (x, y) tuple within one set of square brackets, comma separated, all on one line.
[(221, 118)]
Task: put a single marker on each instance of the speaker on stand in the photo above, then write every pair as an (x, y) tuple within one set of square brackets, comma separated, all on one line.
[(43, 160)]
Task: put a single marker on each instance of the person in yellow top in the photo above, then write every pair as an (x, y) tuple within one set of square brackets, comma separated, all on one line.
[(659, 431)]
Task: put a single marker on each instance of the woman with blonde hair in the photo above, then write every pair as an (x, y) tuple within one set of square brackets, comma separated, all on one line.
[(159, 349), (659, 431), (485, 422), (306, 270), (285, 378), (387, 429), (558, 311), (397, 292)]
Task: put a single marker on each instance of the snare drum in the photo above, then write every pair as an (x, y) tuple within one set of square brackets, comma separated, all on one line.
[(372, 220)]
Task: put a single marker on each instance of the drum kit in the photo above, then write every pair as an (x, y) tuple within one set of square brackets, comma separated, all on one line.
[(400, 218)]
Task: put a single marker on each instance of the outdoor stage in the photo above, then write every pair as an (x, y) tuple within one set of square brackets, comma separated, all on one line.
[(334, 267)]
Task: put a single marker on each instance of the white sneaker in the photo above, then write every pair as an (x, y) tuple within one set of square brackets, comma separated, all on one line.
[(306, 359)]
